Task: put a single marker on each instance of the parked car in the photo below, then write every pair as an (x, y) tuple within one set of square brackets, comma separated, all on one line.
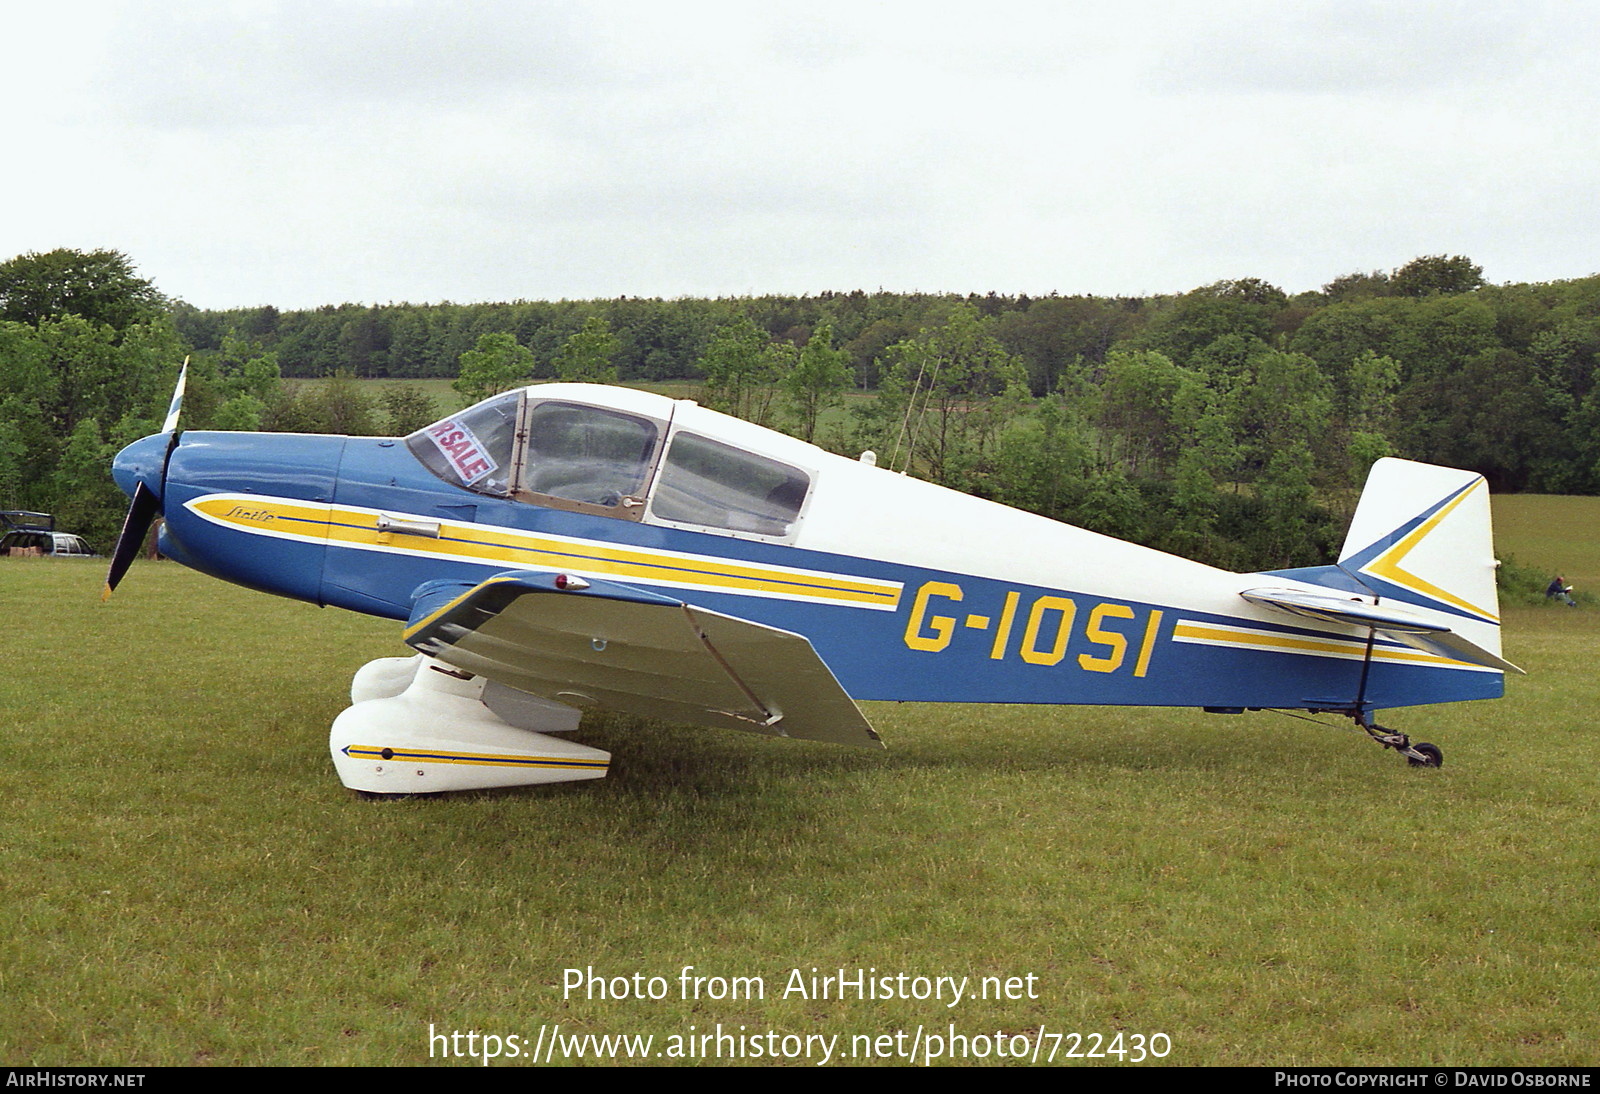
[(29, 542)]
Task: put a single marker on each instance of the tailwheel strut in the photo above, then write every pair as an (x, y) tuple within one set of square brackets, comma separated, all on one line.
[(1420, 754)]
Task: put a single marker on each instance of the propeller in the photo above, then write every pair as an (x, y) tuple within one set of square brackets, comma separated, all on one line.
[(139, 463)]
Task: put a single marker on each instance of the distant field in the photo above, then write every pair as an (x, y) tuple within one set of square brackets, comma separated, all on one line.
[(1552, 534), (834, 421), (450, 399), (185, 882)]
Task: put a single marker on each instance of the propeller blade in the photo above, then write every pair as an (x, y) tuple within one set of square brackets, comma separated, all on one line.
[(141, 513), (146, 504), (171, 424)]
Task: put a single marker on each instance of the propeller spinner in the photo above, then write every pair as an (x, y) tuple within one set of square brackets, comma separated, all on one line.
[(141, 471)]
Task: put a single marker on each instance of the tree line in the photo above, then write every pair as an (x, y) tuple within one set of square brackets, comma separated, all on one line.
[(1496, 378), (1232, 423)]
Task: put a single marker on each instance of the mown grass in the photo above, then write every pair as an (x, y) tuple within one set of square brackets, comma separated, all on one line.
[(185, 881)]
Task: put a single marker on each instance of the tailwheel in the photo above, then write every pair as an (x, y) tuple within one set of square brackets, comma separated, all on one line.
[(1423, 754), (1420, 754)]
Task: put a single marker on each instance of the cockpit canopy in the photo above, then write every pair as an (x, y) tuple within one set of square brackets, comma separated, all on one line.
[(565, 454)]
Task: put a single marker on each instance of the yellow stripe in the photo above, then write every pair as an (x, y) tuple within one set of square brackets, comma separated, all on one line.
[(262, 514), (482, 759), (1292, 644), (535, 552), (1387, 565), (484, 543)]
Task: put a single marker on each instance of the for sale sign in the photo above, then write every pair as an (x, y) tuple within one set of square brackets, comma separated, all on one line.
[(466, 455)]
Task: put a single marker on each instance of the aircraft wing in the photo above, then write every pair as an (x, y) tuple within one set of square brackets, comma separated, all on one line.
[(587, 642), (1397, 623)]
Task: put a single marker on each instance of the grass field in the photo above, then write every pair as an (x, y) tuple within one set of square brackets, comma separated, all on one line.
[(1553, 535), (185, 882)]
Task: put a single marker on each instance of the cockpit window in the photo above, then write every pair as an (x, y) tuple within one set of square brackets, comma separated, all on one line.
[(588, 455), (473, 448), (715, 485)]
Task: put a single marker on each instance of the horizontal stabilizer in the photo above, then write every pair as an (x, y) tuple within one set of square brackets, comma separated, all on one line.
[(1331, 608), (605, 644), (1397, 623)]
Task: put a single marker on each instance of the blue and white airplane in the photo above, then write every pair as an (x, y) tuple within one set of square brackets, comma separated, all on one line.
[(569, 546)]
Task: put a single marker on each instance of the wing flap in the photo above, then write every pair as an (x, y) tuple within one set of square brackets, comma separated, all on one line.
[(615, 646)]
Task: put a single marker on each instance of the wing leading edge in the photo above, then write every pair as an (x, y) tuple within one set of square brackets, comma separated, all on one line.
[(600, 643)]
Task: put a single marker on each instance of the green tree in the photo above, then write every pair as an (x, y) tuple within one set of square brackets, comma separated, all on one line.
[(66, 370), (83, 357), (13, 458), (815, 382), (407, 409), (1357, 286), (27, 376), (1436, 335), (954, 386), (1336, 335), (242, 413), (246, 367), (1368, 408), (238, 387), (1054, 332), (1285, 406), (1569, 354), (587, 355), (1435, 274), (498, 363), (1149, 409), (339, 405), (1041, 465), (1583, 433), (741, 366), (1291, 529), (870, 344), (84, 497), (98, 286), (1184, 326), (1495, 414)]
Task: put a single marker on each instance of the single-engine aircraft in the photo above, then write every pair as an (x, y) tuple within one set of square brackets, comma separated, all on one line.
[(568, 546)]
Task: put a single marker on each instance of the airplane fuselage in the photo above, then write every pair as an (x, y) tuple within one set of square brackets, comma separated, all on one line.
[(906, 590)]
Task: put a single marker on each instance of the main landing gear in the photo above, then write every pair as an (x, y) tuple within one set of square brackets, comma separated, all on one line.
[(1421, 754), (419, 726)]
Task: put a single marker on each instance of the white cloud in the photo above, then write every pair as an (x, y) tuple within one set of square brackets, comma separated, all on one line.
[(306, 153)]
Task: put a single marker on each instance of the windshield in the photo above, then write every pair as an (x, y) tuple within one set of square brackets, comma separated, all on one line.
[(472, 448)]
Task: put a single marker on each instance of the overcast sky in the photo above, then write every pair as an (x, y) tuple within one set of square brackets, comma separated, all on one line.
[(305, 153)]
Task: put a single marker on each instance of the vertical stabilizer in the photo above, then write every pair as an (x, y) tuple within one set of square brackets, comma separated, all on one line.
[(1422, 536)]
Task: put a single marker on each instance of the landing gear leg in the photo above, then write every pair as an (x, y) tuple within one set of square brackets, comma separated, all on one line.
[(1421, 754)]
